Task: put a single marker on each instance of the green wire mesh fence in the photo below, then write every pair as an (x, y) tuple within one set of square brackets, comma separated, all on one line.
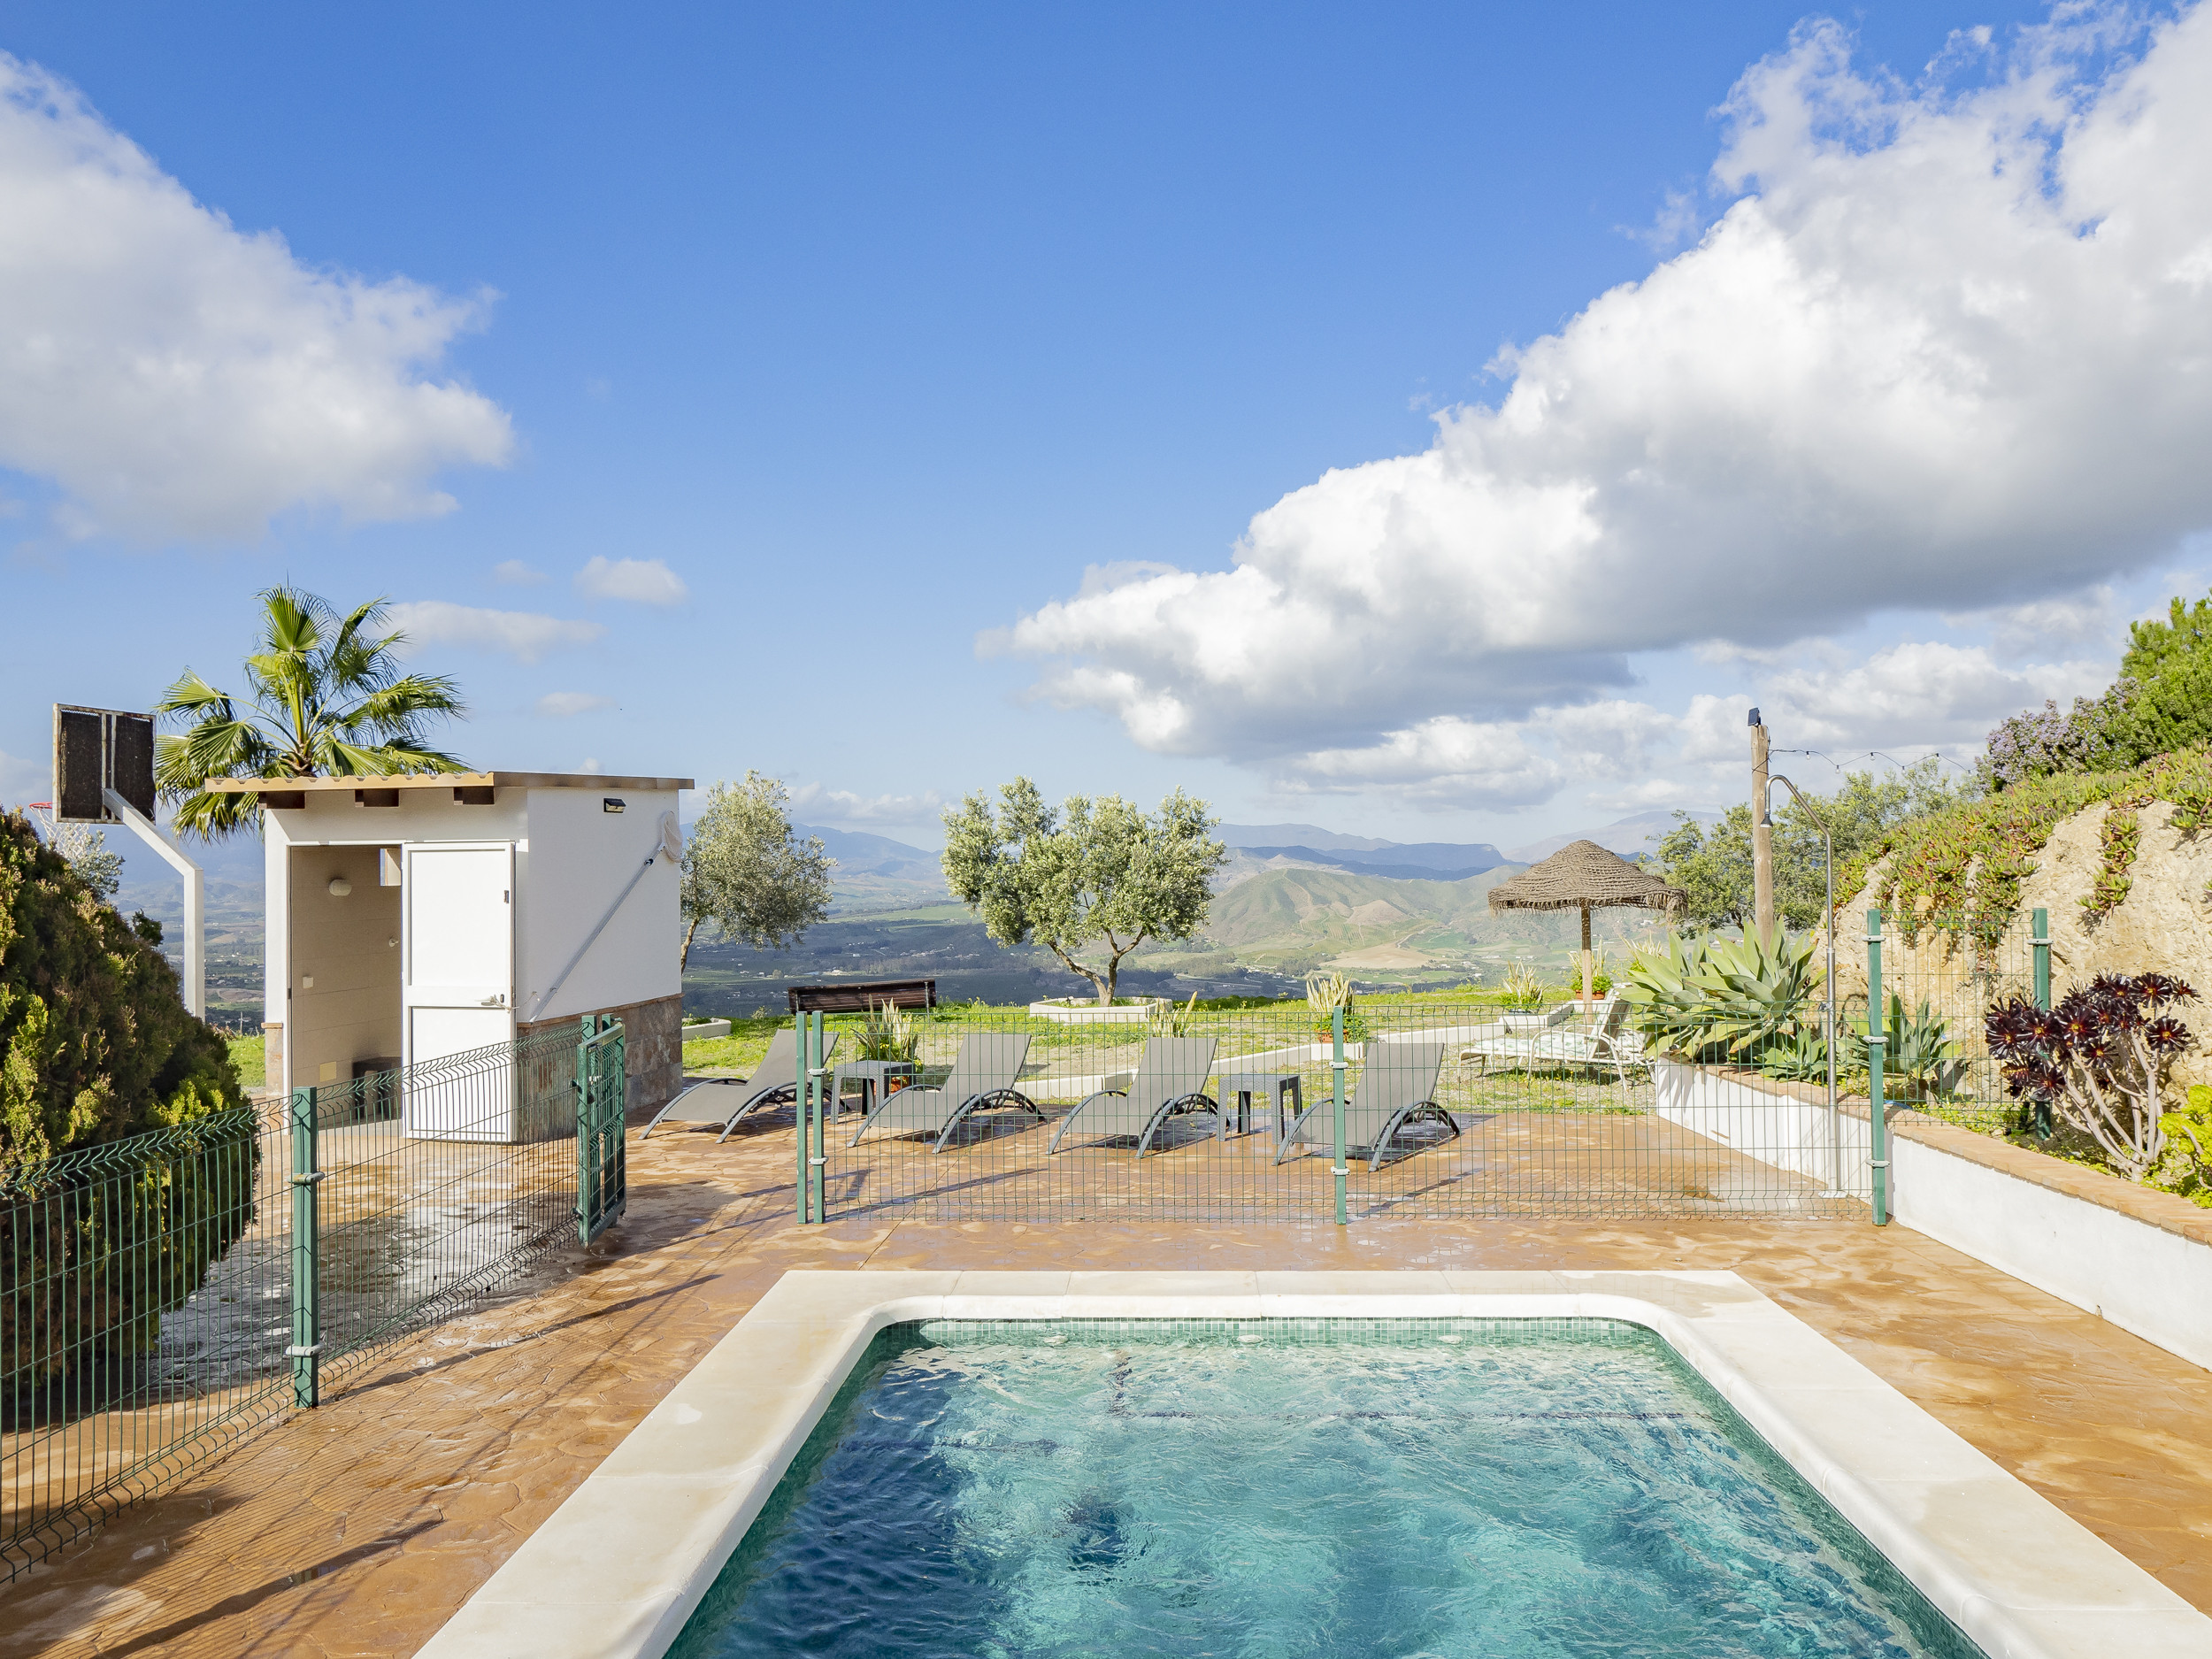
[(161, 1295), (1449, 1110), (1940, 977)]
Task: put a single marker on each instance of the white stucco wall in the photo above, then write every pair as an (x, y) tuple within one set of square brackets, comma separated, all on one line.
[(572, 859), (2142, 1277), (1771, 1128), (578, 859)]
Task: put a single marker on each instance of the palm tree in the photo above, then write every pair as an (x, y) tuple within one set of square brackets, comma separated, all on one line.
[(327, 699)]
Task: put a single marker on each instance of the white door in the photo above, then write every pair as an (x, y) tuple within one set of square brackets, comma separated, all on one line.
[(458, 989)]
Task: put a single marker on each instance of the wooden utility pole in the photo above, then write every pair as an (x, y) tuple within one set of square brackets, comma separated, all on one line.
[(1761, 835)]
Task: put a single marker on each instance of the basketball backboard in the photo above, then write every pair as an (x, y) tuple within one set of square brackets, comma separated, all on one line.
[(99, 749)]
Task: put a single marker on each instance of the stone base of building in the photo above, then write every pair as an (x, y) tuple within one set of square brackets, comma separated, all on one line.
[(652, 1049)]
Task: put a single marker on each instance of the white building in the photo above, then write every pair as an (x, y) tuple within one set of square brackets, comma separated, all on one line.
[(412, 918)]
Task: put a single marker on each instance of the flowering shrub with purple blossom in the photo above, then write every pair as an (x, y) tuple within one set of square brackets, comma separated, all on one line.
[(2088, 738), (2101, 1058)]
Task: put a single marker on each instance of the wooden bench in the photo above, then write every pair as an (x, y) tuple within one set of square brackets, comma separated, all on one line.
[(859, 996)]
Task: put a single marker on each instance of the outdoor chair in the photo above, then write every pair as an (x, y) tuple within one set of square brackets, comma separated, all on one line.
[(982, 1077), (1397, 1089), (1607, 1045), (1170, 1079), (725, 1100)]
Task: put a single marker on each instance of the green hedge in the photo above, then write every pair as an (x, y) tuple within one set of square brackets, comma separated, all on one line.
[(126, 1144)]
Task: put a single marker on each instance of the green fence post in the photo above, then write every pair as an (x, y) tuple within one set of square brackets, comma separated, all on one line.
[(818, 1135), (800, 1025), (305, 1352), (1336, 1062), (1877, 1046), (2043, 1001)]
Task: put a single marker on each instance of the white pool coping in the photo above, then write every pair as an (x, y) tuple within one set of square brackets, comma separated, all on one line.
[(618, 1568)]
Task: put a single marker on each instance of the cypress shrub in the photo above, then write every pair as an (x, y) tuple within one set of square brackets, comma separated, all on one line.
[(127, 1148)]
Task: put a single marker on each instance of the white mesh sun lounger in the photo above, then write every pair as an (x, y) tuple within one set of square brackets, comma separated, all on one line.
[(725, 1100), (1608, 1046), (1170, 1078), (1397, 1087), (982, 1077)]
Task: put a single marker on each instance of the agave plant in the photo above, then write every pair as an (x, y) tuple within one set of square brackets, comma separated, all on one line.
[(1802, 1059), (1523, 987), (2100, 1057), (1731, 999), (1326, 993), (1170, 1020), (890, 1033), (1917, 1052)]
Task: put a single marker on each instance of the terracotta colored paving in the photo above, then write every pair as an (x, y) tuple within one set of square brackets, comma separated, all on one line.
[(355, 1530)]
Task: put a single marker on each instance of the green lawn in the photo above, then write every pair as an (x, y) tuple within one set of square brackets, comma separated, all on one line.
[(250, 1057)]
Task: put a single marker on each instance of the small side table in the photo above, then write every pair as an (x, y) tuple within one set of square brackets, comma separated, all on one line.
[(874, 1078), (1240, 1087)]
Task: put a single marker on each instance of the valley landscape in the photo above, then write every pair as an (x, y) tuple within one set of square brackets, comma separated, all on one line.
[(1292, 899)]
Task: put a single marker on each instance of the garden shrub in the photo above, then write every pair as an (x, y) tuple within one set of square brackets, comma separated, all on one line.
[(1961, 869), (2101, 1058), (98, 1051), (1722, 1000)]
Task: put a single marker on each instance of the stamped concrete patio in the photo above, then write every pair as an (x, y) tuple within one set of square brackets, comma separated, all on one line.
[(356, 1529)]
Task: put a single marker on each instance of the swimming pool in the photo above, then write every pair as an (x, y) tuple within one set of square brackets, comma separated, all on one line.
[(1505, 1488), (620, 1568)]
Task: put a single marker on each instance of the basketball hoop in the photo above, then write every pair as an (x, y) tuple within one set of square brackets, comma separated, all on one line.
[(104, 773)]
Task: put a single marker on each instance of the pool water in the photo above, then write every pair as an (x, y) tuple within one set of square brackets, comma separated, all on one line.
[(1518, 1489)]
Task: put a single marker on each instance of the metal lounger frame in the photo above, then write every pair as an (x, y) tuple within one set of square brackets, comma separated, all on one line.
[(1410, 1112), (1196, 1100), (982, 1099)]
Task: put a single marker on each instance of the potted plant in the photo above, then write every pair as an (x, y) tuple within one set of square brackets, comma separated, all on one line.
[(1326, 993)]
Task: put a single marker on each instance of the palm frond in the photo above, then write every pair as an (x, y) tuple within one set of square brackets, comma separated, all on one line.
[(191, 695), (212, 818)]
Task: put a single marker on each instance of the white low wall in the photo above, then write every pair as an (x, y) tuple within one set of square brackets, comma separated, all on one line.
[(1770, 1127), (2139, 1258), (2117, 1267)]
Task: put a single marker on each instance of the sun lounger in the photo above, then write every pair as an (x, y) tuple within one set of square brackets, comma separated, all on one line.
[(982, 1077), (1606, 1045), (725, 1100), (1397, 1088), (1170, 1078)]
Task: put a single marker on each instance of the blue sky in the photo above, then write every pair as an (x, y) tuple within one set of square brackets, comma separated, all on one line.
[(795, 367)]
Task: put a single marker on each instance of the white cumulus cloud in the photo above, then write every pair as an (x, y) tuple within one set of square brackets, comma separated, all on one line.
[(526, 635), (1943, 350), (842, 807), (180, 379), (642, 582), (515, 574), (560, 704)]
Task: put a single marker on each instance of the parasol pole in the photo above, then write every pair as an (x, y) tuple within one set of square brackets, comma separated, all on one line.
[(1588, 996)]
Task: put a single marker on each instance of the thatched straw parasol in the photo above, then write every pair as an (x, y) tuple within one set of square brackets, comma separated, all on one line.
[(1584, 876)]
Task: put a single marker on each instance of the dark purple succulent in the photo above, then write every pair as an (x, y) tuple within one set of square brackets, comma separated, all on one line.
[(2099, 1029)]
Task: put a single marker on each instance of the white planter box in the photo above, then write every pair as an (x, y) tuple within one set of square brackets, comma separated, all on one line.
[(711, 1028), (1071, 1012), (1768, 1126)]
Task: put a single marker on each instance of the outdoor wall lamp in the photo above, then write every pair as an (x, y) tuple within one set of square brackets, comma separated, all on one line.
[(340, 887)]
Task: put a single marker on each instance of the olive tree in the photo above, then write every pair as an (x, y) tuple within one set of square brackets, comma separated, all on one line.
[(1092, 873), (746, 869)]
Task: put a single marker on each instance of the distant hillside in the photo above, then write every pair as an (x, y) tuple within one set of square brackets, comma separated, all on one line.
[(1288, 920), (1429, 861), (1627, 836), (875, 872), (1306, 844)]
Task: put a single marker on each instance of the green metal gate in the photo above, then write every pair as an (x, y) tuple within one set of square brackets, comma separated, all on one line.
[(603, 1186)]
